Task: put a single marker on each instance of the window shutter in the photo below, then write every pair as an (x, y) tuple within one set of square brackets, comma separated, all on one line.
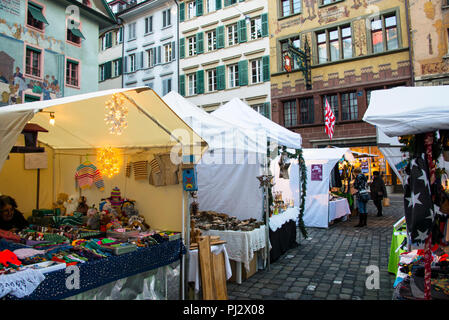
[(266, 110), (164, 87), (242, 30), (159, 51), (243, 72), (264, 24), (217, 4), (141, 65), (182, 10), (108, 70), (120, 67), (199, 42), (154, 56), (266, 68), (220, 77), (199, 8), (173, 50), (108, 40), (220, 37), (182, 87), (200, 81), (182, 48), (227, 3), (125, 69)]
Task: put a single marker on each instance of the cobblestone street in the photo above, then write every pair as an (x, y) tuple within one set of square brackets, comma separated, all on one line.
[(331, 264)]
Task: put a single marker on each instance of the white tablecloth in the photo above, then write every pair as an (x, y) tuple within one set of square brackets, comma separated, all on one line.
[(194, 274), (241, 245), (338, 208), (276, 221)]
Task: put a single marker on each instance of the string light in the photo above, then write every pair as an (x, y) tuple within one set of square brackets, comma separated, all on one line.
[(109, 161), (52, 119), (116, 112)]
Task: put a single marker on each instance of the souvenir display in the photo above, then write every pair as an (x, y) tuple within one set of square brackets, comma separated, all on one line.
[(210, 220)]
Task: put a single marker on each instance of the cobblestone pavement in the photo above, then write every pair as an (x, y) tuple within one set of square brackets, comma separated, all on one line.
[(331, 264)]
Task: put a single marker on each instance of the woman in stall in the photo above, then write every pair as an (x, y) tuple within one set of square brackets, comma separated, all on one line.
[(11, 219)]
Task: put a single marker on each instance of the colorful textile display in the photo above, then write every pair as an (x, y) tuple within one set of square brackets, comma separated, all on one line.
[(140, 170), (87, 174), (116, 198)]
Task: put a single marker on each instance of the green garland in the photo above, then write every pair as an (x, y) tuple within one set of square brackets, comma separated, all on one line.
[(303, 175)]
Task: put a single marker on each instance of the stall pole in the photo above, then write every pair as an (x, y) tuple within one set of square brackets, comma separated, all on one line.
[(299, 195), (184, 257), (38, 187), (267, 209)]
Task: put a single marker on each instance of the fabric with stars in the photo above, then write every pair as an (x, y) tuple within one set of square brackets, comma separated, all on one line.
[(418, 205)]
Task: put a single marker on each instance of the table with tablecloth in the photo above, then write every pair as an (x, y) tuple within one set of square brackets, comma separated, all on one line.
[(338, 208), (283, 232), (241, 245), (84, 277)]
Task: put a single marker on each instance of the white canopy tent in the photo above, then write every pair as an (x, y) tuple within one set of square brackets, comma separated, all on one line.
[(227, 172)]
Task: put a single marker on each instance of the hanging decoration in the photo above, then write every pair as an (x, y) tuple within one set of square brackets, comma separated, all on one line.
[(116, 114), (109, 161)]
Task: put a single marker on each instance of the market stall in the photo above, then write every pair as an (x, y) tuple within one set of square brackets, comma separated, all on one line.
[(418, 116), (108, 151)]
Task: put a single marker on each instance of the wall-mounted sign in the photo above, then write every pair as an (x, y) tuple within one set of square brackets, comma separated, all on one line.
[(316, 172)]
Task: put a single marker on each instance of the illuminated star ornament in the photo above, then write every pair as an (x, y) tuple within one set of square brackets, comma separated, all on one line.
[(116, 114), (109, 161), (265, 180)]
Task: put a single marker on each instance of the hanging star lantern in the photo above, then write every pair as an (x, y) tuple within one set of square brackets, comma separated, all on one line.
[(265, 180), (116, 113), (109, 161)]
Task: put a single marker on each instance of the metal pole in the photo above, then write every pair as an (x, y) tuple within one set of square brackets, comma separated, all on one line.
[(183, 259)]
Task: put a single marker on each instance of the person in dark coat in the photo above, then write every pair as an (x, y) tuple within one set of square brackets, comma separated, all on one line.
[(11, 219), (360, 184), (378, 192)]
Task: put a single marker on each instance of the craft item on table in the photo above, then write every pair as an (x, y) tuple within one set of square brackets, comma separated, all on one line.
[(8, 258), (93, 219), (20, 284), (87, 174), (60, 203), (82, 205), (138, 223), (8, 235), (27, 253), (71, 204), (140, 170), (284, 164), (207, 220), (116, 199), (129, 208), (75, 220), (128, 169)]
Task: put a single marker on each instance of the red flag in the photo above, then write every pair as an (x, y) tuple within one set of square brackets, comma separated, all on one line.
[(329, 120)]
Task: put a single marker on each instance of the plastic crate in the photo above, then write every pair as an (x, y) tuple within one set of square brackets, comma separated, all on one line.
[(121, 248), (125, 235)]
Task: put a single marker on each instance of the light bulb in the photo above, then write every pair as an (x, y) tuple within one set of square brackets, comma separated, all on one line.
[(52, 119)]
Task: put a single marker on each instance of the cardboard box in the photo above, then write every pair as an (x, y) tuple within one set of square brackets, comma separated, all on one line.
[(245, 274)]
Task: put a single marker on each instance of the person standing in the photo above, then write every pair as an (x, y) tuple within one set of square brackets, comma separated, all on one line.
[(11, 218), (360, 184), (378, 192)]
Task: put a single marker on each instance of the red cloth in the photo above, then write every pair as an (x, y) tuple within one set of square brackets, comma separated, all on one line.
[(7, 257)]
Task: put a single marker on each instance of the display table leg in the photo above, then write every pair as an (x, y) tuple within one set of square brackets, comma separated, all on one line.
[(238, 272)]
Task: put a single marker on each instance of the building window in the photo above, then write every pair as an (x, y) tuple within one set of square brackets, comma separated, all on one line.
[(384, 33), (106, 41), (74, 34), (151, 57), (233, 37), (168, 52), (233, 75), (334, 44), (191, 9), (256, 28), (325, 2), (294, 42), (306, 109), (212, 80), (119, 35), (33, 62), (35, 16), (148, 24), (290, 113), (132, 63), (117, 67), (192, 45), (31, 98), (166, 18), (349, 110), (132, 31), (102, 70), (149, 85), (259, 108), (229, 2), (191, 84), (289, 7), (211, 5), (212, 40), (166, 86), (333, 102), (72, 73), (256, 71)]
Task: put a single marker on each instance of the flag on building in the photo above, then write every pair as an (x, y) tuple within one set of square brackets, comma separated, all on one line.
[(329, 120)]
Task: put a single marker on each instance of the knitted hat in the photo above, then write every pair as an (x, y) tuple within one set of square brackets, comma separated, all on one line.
[(116, 199)]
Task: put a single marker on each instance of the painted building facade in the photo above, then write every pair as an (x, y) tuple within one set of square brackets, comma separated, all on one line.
[(110, 62), (430, 31), (150, 45), (48, 48), (356, 46), (225, 53)]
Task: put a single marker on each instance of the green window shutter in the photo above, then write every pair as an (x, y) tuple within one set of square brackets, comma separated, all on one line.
[(182, 87), (217, 4), (199, 42), (227, 3), (221, 78), (243, 72), (120, 67), (266, 68), (173, 50), (267, 110), (264, 24), (125, 69), (108, 40), (241, 0), (182, 52), (200, 81), (241, 25), (220, 37), (108, 70), (182, 10), (199, 8), (36, 12)]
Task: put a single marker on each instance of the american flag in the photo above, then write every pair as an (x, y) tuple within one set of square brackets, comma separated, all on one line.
[(329, 120)]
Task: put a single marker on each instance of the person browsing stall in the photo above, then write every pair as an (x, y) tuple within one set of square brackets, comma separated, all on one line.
[(378, 192), (11, 218), (360, 184)]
